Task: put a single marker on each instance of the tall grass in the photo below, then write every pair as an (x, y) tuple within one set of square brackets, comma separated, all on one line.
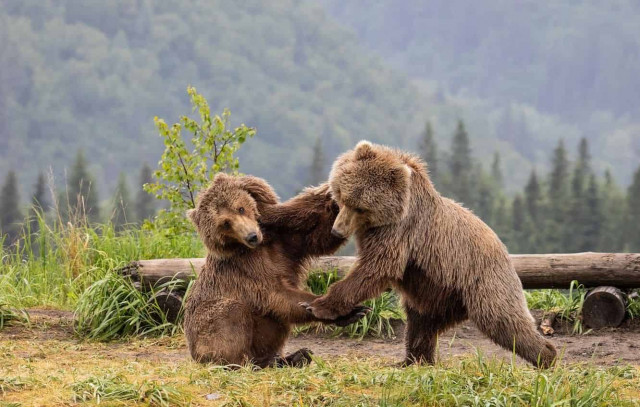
[(55, 265), (378, 322), (113, 307)]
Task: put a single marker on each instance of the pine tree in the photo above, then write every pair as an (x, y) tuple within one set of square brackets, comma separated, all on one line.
[(316, 171), (533, 228), (578, 213), (10, 216), (121, 203), (633, 214), (39, 204), (82, 194), (612, 237), (496, 171), (533, 197), (517, 223), (486, 199), (428, 151), (556, 234), (593, 220), (460, 166), (145, 207)]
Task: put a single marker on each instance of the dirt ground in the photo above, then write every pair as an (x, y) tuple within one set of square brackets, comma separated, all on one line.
[(603, 347)]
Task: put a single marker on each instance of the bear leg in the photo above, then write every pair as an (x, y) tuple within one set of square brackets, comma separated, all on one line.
[(219, 333), (510, 325), (423, 328)]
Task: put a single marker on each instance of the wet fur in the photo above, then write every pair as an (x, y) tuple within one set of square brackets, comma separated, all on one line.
[(245, 300), (447, 264)]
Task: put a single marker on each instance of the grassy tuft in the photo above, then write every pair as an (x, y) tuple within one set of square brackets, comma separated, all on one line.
[(378, 323), (567, 305), (55, 265), (12, 316), (113, 307), (117, 388)]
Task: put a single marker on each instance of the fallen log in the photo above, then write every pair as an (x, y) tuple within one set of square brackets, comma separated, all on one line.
[(620, 270), (604, 306)]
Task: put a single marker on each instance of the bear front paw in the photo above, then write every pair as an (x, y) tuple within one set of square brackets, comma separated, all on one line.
[(321, 312), (354, 316)]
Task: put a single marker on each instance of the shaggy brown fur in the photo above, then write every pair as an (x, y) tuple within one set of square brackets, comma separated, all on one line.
[(246, 296), (447, 264)]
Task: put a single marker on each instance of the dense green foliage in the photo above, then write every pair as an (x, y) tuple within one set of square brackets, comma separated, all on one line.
[(93, 76), (186, 168)]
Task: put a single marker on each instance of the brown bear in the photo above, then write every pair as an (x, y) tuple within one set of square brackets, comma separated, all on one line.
[(242, 304), (447, 264)]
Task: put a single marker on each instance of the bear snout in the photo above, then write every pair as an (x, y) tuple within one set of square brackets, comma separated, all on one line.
[(252, 239)]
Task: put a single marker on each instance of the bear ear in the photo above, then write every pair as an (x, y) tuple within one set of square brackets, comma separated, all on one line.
[(258, 189), (364, 150), (192, 214), (219, 177)]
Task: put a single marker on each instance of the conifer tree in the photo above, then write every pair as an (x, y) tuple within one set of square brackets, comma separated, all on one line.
[(578, 213), (556, 235), (121, 203), (517, 223), (533, 197), (10, 216), (612, 236), (82, 193), (593, 220), (428, 151), (460, 166), (145, 203), (316, 171), (633, 216), (496, 171), (486, 198), (39, 204)]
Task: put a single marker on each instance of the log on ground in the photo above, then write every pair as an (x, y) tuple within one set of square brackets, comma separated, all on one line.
[(620, 270)]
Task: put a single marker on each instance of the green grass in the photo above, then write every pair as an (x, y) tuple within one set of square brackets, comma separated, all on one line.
[(378, 323), (90, 373), (54, 266), (113, 307), (117, 388), (12, 316)]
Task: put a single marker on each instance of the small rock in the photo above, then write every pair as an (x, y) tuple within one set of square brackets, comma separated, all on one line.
[(213, 396)]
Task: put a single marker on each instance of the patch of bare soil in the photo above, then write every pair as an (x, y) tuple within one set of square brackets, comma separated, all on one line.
[(602, 347), (608, 346)]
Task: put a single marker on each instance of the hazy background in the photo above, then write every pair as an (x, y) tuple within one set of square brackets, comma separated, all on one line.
[(521, 74)]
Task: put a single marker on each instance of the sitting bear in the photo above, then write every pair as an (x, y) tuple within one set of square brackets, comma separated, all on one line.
[(242, 304), (447, 264)]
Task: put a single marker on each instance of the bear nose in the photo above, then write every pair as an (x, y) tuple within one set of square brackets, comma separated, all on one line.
[(335, 233), (252, 238)]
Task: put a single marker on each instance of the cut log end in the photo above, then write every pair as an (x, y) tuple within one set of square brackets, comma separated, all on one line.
[(604, 307)]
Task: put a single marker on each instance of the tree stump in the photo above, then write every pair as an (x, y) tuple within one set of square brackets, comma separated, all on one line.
[(604, 307)]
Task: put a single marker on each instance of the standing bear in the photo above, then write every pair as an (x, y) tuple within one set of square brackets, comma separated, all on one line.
[(246, 296), (447, 264)]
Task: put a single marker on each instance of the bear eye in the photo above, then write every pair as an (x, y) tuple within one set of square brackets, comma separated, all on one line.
[(241, 210), (226, 224), (359, 210)]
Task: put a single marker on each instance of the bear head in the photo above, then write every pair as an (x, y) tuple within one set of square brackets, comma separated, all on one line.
[(371, 186), (227, 212)]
